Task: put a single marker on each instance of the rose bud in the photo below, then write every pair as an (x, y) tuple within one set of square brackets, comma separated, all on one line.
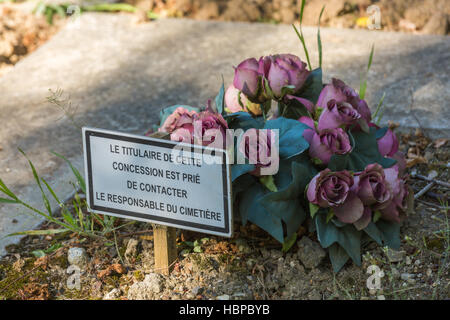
[(396, 208), (236, 102), (328, 142), (180, 125), (283, 70), (247, 79), (256, 145), (372, 187), (388, 144), (210, 129), (340, 92), (333, 189), (337, 114)]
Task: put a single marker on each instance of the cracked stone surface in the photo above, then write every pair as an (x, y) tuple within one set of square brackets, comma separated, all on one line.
[(119, 74)]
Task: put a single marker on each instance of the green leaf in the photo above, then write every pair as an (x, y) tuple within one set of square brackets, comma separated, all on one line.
[(252, 210), (365, 151), (289, 242), (363, 80), (313, 208), (319, 41), (268, 182), (373, 232), (198, 249), (38, 232), (80, 179), (302, 40), (330, 215), (220, 99), (293, 109), (391, 233), (338, 256), (38, 253), (301, 11), (347, 237), (377, 113), (38, 181), (291, 141), (312, 87), (3, 200), (5, 190), (376, 216)]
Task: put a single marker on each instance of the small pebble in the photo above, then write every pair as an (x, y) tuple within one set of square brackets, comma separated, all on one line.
[(223, 297), (408, 260), (77, 256), (381, 297)]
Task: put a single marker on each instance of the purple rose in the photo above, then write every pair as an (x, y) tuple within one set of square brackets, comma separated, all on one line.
[(334, 190), (247, 79), (340, 92), (210, 129), (256, 145), (279, 70), (371, 186), (395, 210), (337, 114), (180, 125), (308, 133), (325, 143), (388, 144), (283, 70), (236, 102)]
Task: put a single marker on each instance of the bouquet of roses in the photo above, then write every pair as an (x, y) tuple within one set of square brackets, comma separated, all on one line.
[(311, 152)]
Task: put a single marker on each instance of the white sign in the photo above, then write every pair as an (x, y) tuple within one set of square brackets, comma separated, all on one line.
[(155, 181)]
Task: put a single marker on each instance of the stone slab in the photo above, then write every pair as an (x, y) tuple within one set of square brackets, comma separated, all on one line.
[(119, 74)]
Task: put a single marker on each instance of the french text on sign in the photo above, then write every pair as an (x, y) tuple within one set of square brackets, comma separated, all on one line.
[(158, 181)]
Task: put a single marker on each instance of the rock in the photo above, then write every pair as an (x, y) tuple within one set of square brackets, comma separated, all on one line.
[(394, 255), (395, 273), (241, 10), (223, 297), (131, 250), (438, 24), (77, 256), (146, 289), (408, 260), (310, 253), (242, 245), (406, 276), (114, 294), (197, 290), (209, 10)]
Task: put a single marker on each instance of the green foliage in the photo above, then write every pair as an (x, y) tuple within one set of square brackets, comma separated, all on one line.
[(75, 218), (363, 80), (344, 236), (300, 34), (220, 99), (319, 41)]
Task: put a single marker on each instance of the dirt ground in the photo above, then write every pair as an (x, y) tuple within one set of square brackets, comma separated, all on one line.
[(21, 32), (250, 265), (425, 16)]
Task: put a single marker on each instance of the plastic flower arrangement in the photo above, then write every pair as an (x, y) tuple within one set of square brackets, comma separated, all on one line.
[(335, 167)]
